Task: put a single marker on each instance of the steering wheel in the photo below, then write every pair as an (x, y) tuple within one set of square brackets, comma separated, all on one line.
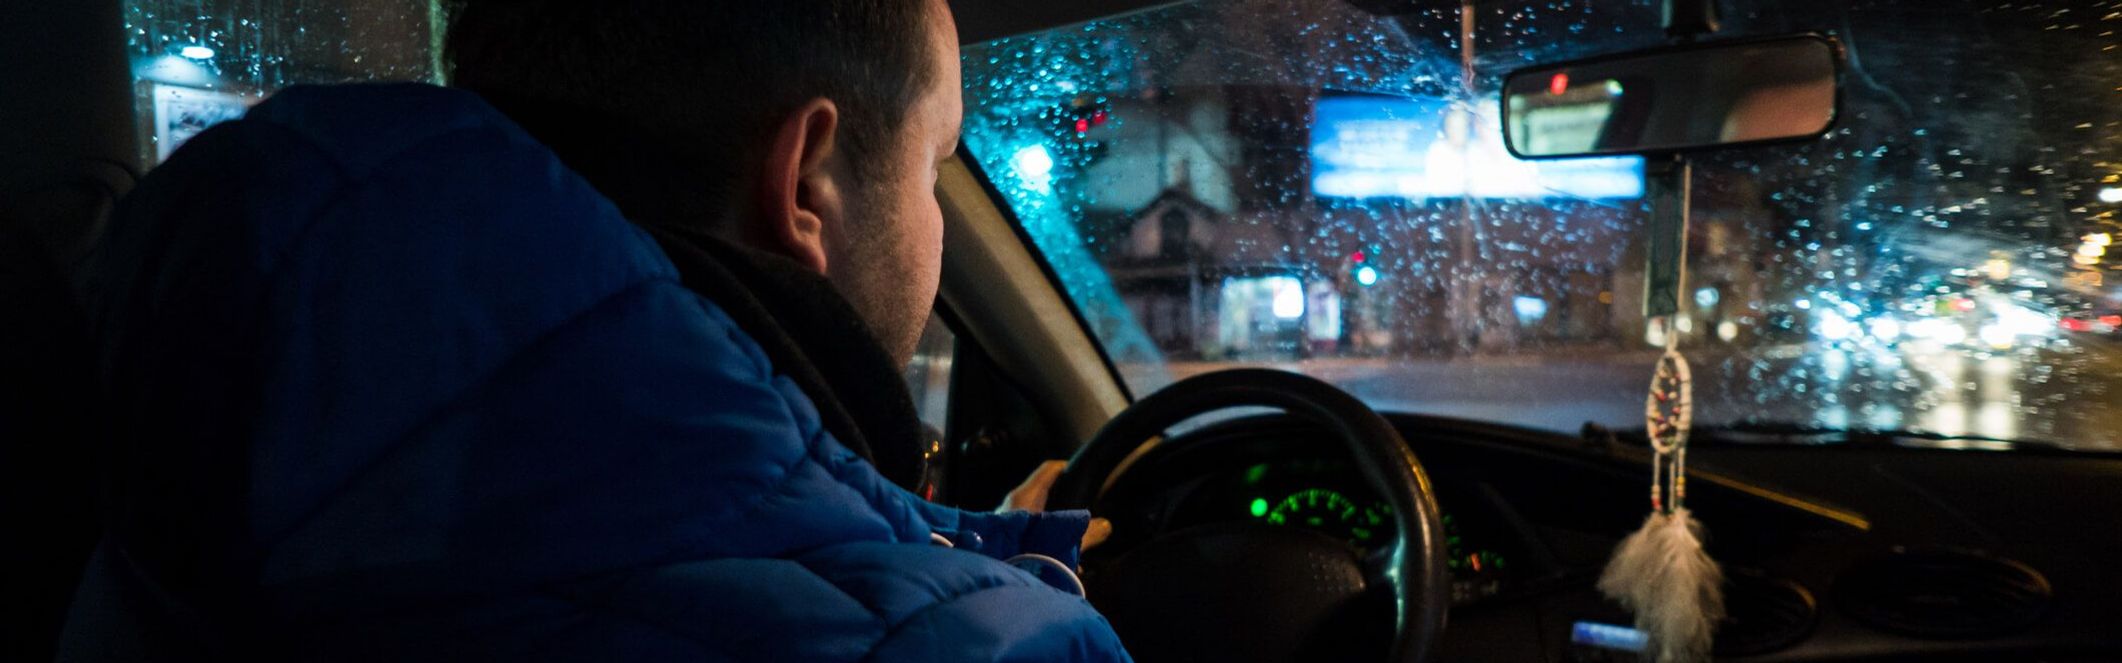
[(1250, 591)]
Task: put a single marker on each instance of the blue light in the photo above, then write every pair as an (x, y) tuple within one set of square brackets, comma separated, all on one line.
[(197, 52), (1035, 167), (1367, 276), (1885, 329), (1609, 636), (1289, 299), (1530, 309), (1834, 326)]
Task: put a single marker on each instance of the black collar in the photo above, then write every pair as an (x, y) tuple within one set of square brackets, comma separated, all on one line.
[(813, 336)]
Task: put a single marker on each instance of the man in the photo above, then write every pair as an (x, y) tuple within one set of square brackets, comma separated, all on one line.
[(395, 378)]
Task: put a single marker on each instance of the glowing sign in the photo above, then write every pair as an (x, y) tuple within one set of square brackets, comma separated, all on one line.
[(1417, 149)]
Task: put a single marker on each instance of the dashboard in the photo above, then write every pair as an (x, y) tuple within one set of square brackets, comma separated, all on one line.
[(1327, 496), (1830, 553)]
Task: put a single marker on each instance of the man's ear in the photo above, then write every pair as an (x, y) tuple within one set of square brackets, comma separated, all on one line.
[(799, 199)]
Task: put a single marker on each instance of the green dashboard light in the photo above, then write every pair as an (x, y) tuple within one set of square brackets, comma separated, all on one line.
[(1259, 507)]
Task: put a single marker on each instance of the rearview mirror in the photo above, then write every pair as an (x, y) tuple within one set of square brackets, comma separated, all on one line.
[(1693, 97)]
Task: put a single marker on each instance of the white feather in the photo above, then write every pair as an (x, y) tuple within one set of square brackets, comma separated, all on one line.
[(1675, 590)]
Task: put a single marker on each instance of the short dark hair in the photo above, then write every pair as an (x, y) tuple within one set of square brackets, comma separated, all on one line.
[(706, 79)]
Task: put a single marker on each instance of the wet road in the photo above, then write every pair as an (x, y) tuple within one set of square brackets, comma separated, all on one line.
[(2069, 395)]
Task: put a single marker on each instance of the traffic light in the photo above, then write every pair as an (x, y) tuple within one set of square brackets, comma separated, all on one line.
[(1365, 273)]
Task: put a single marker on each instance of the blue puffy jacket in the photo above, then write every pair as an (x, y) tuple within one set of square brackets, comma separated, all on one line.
[(392, 383)]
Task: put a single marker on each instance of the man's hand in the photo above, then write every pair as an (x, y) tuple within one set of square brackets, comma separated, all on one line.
[(1031, 496)]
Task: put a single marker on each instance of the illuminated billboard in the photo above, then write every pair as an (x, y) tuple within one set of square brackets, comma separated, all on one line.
[(1365, 146)]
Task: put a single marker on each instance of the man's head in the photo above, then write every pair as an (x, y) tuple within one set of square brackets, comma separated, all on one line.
[(808, 128)]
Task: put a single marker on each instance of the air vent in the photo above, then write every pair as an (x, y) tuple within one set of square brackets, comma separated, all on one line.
[(1763, 615), (1944, 594)]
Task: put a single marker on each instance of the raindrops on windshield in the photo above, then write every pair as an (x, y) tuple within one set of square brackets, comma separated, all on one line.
[(1300, 183), (197, 63)]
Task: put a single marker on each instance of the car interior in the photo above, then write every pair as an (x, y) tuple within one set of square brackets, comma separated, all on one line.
[(1346, 311)]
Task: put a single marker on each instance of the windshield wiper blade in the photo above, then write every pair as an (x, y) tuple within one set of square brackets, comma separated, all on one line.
[(1735, 433), (1743, 433)]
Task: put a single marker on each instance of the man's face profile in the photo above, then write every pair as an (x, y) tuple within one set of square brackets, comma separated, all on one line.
[(885, 255)]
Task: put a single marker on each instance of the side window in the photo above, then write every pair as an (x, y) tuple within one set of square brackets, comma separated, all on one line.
[(197, 63), (928, 375)]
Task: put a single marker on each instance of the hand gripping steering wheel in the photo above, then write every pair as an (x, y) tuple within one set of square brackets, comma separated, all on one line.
[(1248, 591)]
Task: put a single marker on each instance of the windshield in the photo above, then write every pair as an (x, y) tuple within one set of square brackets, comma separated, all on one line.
[(1299, 183)]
